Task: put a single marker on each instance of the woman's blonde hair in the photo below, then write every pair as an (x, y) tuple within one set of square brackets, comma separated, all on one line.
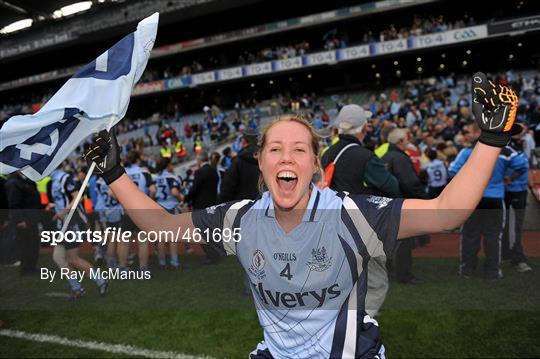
[(315, 138)]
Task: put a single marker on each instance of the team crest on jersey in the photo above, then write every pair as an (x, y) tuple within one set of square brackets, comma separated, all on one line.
[(319, 260), (212, 210), (257, 265), (381, 202)]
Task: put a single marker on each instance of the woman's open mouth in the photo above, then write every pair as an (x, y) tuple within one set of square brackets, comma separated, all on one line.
[(287, 180)]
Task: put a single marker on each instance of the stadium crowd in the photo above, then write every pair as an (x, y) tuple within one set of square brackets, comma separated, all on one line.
[(330, 40), (421, 130)]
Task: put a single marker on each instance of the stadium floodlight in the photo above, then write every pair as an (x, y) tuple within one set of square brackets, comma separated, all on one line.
[(16, 26), (72, 9)]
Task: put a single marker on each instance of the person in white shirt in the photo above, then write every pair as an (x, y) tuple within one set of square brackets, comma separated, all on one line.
[(437, 173)]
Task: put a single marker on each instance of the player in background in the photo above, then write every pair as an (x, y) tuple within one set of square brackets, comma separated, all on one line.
[(64, 189), (110, 214), (168, 196), (98, 197), (437, 174), (143, 179)]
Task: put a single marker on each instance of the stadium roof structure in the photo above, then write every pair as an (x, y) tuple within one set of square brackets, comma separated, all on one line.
[(15, 10)]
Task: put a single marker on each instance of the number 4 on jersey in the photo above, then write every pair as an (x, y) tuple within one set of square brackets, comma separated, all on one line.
[(286, 272)]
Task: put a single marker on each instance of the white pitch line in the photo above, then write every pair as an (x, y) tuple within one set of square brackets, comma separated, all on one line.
[(57, 295), (111, 348)]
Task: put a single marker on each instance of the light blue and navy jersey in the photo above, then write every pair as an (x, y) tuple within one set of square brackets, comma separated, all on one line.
[(518, 165), (110, 209), (63, 185), (310, 285), (495, 187), (437, 173), (101, 195), (165, 182), (142, 178)]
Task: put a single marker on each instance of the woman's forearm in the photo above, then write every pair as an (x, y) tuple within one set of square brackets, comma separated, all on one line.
[(461, 196), (143, 211), (458, 200), (467, 187)]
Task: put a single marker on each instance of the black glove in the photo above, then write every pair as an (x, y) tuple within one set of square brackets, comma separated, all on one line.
[(105, 152), (494, 108)]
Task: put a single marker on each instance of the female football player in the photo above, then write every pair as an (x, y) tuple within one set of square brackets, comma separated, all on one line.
[(306, 250)]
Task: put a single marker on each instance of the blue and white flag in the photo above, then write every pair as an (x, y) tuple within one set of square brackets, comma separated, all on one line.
[(95, 98)]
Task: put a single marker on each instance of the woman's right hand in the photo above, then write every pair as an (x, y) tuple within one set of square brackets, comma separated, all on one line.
[(105, 153)]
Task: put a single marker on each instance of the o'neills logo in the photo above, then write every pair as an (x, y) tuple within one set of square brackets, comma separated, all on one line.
[(285, 257), (293, 300)]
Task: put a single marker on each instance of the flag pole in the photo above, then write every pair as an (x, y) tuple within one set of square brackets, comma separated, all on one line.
[(83, 186)]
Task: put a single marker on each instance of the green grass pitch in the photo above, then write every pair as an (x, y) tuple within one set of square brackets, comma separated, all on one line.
[(200, 311)]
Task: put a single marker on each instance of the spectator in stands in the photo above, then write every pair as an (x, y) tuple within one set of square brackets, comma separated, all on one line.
[(179, 150), (187, 130), (227, 158), (203, 193), (359, 171), (450, 130), (401, 166), (371, 176), (240, 180), (166, 150)]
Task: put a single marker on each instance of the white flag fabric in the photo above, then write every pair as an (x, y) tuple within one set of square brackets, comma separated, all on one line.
[(95, 98)]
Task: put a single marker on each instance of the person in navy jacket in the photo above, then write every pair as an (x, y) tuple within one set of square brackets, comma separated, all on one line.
[(516, 183)]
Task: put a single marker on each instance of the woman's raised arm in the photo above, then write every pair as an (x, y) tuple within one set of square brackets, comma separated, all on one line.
[(144, 212), (456, 202), (494, 108)]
